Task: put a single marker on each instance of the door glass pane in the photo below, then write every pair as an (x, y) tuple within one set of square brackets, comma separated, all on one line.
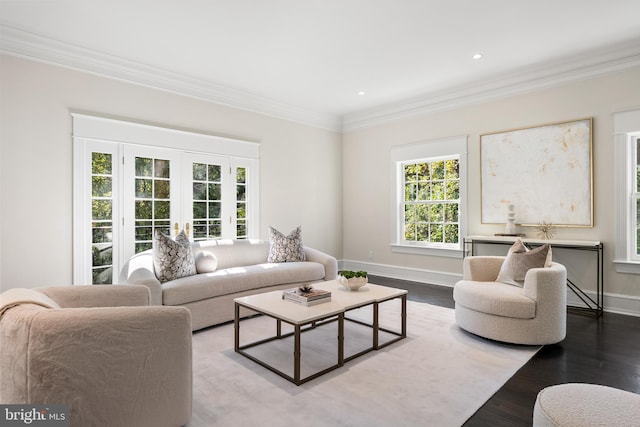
[(152, 200), (241, 203), (101, 218), (638, 226), (206, 204), (143, 166), (638, 165), (161, 168)]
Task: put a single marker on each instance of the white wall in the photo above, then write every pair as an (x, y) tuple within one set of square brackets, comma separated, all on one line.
[(366, 175), (301, 182), (336, 187)]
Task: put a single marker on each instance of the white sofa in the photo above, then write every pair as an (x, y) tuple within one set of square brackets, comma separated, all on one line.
[(242, 269), (535, 314)]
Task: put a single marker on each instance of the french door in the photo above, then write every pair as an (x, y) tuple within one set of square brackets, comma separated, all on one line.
[(134, 191)]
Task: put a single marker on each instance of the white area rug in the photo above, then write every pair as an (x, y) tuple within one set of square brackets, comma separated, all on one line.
[(439, 375)]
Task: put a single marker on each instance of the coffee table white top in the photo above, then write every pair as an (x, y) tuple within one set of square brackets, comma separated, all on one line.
[(367, 294), (272, 304)]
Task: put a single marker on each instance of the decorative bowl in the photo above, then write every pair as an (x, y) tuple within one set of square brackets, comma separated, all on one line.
[(352, 284)]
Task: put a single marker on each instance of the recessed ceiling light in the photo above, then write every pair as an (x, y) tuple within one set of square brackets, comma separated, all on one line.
[(477, 55), (361, 93)]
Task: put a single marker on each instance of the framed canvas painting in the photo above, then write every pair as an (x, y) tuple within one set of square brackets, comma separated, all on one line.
[(545, 172)]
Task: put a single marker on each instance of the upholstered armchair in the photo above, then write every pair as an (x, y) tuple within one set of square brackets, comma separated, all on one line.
[(101, 350), (534, 313)]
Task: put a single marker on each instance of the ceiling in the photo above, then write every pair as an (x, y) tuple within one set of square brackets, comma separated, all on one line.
[(313, 58)]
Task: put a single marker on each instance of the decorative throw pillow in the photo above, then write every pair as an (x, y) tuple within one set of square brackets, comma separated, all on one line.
[(518, 246), (519, 260), (206, 262), (285, 248), (172, 259)]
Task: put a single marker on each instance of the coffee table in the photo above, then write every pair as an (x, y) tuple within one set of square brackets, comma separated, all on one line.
[(304, 318)]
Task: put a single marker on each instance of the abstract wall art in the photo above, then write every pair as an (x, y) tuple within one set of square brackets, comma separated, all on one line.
[(544, 171)]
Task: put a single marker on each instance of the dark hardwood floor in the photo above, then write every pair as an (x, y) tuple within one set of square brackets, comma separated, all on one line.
[(603, 351)]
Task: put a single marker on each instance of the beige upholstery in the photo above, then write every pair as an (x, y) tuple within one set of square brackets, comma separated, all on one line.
[(535, 314), (586, 405), (241, 269), (108, 355)]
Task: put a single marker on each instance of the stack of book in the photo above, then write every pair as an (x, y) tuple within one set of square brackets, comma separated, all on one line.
[(315, 296)]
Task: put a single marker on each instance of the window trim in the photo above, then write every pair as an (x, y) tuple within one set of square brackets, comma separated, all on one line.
[(421, 151), (627, 132)]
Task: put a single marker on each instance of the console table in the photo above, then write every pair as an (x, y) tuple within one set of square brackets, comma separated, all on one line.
[(594, 307)]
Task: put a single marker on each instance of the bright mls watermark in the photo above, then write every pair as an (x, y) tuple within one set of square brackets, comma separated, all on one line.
[(34, 415)]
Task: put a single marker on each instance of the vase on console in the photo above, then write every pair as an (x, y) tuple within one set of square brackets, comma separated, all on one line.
[(510, 226)]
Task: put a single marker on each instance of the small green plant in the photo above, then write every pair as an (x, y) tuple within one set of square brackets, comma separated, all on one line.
[(348, 274), (305, 288)]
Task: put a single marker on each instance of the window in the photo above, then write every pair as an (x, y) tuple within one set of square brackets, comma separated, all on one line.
[(207, 201), (129, 182), (430, 198), (627, 191), (635, 198), (432, 201), (102, 205), (151, 199)]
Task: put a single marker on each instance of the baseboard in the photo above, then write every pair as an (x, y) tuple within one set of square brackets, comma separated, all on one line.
[(613, 303), (403, 273)]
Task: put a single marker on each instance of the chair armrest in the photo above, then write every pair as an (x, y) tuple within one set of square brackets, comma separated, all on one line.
[(139, 270), (481, 268), (547, 285), (98, 295), (112, 366), (329, 262)]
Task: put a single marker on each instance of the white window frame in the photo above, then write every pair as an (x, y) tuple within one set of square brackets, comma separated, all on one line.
[(92, 133), (627, 132), (416, 153)]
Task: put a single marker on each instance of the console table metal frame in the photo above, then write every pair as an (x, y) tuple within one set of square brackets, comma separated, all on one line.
[(592, 307)]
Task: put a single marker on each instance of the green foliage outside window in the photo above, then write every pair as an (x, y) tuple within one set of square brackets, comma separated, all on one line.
[(431, 201), (102, 217)]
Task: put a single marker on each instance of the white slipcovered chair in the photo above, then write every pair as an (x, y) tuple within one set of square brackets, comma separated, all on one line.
[(534, 314), (101, 350)]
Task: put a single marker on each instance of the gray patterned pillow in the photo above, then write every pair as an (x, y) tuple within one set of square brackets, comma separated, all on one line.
[(285, 248), (519, 261), (172, 259)]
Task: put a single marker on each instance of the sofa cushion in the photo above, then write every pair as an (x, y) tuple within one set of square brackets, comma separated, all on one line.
[(237, 279), (494, 298), (285, 248), (518, 262), (206, 262), (172, 259), (234, 253)]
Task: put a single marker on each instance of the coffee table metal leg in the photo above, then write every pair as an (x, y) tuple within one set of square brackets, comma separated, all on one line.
[(236, 327), (376, 326), (341, 339), (296, 355), (404, 316)]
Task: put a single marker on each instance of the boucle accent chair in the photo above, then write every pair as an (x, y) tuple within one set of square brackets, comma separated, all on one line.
[(101, 350), (534, 314), (586, 405)]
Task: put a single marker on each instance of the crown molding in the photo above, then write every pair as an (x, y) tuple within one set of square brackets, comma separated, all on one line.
[(584, 66), (21, 43), (24, 44)]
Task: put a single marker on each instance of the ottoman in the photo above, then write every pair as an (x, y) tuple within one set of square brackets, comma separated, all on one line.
[(576, 404)]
